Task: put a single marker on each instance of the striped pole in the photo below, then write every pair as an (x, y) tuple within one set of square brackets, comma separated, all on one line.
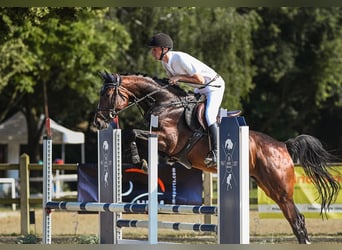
[(187, 209), (196, 227), (130, 207)]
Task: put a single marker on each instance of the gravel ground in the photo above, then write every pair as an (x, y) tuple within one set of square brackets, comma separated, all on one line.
[(68, 227)]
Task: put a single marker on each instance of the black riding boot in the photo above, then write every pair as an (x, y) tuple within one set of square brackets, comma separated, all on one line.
[(211, 159)]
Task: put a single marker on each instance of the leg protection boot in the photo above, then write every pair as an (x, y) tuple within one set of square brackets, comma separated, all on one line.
[(134, 152)]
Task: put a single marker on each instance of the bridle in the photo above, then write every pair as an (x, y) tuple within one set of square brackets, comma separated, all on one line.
[(114, 81)]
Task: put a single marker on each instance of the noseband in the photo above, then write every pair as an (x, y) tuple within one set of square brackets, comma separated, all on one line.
[(114, 81)]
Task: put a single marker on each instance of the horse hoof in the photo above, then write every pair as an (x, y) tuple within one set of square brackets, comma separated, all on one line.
[(144, 165)]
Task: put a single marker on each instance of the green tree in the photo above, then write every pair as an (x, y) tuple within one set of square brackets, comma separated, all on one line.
[(281, 65), (221, 37), (61, 48), (298, 56)]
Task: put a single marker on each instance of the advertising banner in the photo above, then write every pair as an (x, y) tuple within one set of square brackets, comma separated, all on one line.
[(305, 198), (176, 184)]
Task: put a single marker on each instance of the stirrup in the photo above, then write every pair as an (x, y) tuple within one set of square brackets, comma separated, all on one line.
[(211, 160), (210, 163)]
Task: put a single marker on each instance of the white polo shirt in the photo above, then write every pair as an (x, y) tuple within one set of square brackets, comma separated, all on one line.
[(181, 63)]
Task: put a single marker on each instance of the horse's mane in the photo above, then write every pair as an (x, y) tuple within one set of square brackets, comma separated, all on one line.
[(175, 89)]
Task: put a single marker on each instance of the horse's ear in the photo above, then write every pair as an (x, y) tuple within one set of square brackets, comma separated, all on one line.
[(101, 74), (108, 76)]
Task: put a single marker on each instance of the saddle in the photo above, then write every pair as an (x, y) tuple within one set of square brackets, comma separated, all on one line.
[(195, 113), (195, 119)]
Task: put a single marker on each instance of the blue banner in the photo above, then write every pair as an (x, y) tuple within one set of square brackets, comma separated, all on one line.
[(177, 185)]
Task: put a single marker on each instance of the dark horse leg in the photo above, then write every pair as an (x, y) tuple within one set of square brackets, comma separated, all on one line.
[(135, 148), (132, 151), (292, 215), (296, 220), (281, 192)]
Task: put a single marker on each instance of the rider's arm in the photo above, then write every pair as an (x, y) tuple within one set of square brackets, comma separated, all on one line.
[(196, 78)]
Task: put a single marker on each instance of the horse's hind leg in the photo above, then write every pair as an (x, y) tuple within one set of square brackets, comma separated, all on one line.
[(272, 167), (281, 192), (295, 218)]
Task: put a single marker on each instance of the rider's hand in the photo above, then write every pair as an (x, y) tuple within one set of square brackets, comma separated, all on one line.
[(173, 80), (197, 96)]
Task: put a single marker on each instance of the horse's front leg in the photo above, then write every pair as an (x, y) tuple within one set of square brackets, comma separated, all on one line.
[(135, 143), (135, 148)]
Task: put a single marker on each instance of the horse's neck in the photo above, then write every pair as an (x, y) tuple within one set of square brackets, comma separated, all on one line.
[(143, 87)]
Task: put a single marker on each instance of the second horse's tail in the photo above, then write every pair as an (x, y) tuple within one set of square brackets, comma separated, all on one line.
[(314, 159)]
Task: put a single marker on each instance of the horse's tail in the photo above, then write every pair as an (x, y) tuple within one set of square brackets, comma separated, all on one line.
[(314, 159)]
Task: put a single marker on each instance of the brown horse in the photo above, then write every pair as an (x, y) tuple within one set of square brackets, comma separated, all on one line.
[(271, 161)]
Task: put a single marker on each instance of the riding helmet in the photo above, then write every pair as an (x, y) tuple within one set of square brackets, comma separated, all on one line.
[(161, 40)]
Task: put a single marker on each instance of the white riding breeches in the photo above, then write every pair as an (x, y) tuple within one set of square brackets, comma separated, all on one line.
[(214, 96)]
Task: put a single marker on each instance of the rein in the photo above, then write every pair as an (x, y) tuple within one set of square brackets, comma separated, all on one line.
[(114, 81), (136, 101)]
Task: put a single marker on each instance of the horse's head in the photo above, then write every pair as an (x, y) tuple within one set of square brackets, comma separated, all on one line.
[(119, 93), (113, 98)]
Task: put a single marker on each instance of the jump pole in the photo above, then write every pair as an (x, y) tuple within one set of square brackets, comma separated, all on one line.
[(233, 180), (233, 183)]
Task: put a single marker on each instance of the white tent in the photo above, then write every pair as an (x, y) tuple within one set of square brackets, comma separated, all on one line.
[(13, 132)]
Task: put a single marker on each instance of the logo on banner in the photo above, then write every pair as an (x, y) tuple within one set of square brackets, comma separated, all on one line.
[(229, 163), (105, 162)]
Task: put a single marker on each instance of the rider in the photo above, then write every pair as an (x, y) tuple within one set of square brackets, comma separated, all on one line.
[(182, 67)]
